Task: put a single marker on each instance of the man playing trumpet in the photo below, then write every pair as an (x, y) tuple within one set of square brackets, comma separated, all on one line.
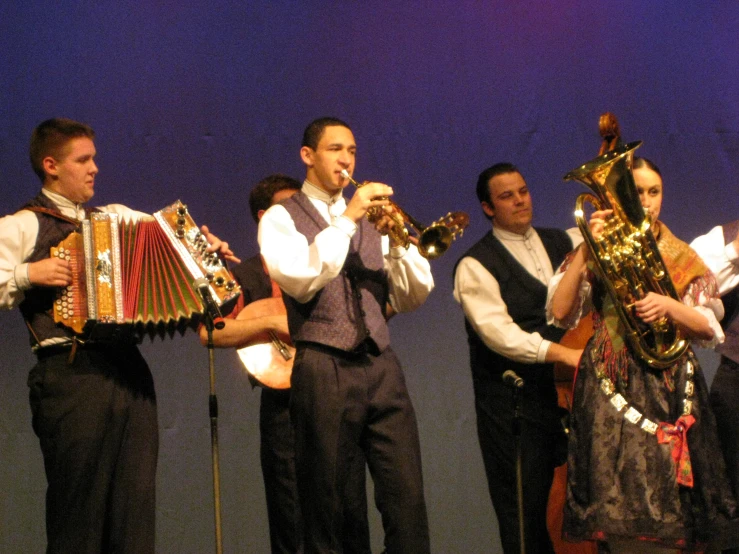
[(245, 327), (338, 273)]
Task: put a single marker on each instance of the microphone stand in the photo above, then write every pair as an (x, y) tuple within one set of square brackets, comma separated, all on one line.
[(213, 412), (519, 469)]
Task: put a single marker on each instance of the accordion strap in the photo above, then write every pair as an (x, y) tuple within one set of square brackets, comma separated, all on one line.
[(33, 333), (54, 213)]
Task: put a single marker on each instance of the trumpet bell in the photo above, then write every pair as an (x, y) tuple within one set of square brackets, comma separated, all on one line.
[(434, 241)]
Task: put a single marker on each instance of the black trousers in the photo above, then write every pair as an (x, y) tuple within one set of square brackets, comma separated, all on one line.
[(277, 452), (96, 421), (540, 446), (725, 404), (342, 401)]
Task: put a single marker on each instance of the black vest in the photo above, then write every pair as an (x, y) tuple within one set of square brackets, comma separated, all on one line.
[(525, 298), (730, 322), (38, 302), (350, 308), (255, 283)]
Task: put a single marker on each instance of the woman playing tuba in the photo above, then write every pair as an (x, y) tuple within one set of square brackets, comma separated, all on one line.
[(633, 474)]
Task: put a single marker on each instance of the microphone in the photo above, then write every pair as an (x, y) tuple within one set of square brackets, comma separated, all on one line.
[(511, 379), (209, 305)]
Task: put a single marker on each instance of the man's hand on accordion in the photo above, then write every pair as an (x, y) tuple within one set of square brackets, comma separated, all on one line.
[(217, 245), (50, 272)]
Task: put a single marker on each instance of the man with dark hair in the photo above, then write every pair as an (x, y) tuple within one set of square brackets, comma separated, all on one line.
[(93, 404), (50, 138), (277, 448), (314, 131), (348, 391), (270, 191), (719, 248), (501, 283)]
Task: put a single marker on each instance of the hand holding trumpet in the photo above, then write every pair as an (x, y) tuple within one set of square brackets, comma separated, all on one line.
[(366, 197), (372, 200), (389, 222)]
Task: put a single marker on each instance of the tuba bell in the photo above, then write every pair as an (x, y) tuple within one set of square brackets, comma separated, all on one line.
[(625, 255)]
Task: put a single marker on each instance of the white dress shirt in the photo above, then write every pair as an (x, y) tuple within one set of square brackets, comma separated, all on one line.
[(18, 233), (302, 269), (479, 294), (721, 258)]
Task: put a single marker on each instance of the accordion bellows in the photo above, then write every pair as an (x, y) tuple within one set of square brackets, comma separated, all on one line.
[(136, 277)]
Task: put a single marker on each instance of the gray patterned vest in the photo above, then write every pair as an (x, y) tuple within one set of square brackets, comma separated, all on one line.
[(351, 308)]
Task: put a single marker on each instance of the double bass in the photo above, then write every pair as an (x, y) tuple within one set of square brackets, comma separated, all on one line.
[(564, 378)]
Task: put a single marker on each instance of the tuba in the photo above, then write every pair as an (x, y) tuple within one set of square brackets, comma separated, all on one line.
[(625, 255), (432, 240)]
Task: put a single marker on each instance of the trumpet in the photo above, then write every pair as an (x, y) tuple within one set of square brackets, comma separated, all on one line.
[(432, 240)]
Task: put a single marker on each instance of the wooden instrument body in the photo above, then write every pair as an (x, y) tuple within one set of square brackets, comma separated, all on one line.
[(262, 358), (563, 378), (578, 337)]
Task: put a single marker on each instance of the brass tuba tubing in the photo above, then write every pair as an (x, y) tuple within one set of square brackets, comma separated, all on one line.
[(433, 240), (626, 257)]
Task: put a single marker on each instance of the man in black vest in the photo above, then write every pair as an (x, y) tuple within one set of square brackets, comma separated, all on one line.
[(277, 440), (93, 405), (501, 283), (338, 273), (719, 248)]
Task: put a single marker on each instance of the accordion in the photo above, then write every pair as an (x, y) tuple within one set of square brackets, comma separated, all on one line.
[(138, 277)]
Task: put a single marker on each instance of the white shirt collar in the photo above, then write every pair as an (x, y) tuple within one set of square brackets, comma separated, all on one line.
[(503, 234), (65, 205), (317, 193)]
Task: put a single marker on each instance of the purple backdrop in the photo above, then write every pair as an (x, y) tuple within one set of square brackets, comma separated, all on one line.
[(198, 101)]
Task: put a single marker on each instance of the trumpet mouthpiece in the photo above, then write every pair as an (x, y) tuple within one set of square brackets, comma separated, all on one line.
[(345, 174)]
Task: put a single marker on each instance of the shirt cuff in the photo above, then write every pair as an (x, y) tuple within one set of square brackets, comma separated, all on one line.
[(718, 332), (541, 355), (397, 252), (20, 274), (346, 225)]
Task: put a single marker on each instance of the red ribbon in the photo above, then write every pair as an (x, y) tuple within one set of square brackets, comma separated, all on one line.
[(676, 436)]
